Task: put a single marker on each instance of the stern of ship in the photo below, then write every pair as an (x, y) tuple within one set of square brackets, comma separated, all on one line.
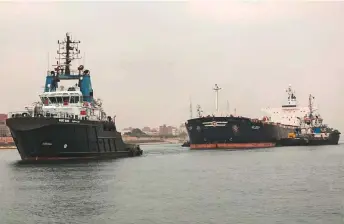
[(334, 137)]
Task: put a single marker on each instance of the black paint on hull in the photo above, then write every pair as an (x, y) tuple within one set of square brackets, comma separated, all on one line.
[(40, 138), (186, 144), (303, 141), (234, 131)]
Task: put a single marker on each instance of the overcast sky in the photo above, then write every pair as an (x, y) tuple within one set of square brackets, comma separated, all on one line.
[(148, 59)]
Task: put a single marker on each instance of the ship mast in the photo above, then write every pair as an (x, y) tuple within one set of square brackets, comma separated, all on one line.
[(191, 114), (310, 106), (199, 111), (228, 107), (216, 89), (71, 52), (291, 97)]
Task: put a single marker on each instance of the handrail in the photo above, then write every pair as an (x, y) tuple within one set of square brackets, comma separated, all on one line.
[(40, 114), (65, 115)]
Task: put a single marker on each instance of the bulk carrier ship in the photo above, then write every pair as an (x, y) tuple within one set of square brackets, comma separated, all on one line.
[(68, 123), (236, 132)]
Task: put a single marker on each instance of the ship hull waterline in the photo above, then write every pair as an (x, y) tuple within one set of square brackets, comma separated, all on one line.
[(232, 146), (41, 138)]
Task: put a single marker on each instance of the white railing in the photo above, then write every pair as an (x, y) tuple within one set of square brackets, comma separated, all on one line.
[(19, 113), (43, 114), (47, 114)]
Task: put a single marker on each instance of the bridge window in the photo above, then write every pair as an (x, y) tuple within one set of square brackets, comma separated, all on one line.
[(53, 99), (43, 99), (74, 99), (65, 99), (59, 99)]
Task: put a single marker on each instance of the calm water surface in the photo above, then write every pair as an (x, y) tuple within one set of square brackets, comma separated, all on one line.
[(170, 184)]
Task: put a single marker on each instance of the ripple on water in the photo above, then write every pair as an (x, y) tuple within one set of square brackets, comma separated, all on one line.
[(170, 184)]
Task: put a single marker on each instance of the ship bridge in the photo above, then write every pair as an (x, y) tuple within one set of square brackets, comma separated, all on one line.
[(72, 95), (68, 102), (289, 113)]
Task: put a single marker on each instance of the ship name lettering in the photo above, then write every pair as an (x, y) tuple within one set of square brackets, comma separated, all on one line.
[(68, 121), (64, 120), (256, 127)]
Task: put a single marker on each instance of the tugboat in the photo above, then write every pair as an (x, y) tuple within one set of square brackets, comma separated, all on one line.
[(68, 123), (311, 131)]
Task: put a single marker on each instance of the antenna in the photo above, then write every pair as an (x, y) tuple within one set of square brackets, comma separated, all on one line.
[(199, 111), (71, 52), (217, 97), (191, 114), (228, 107), (48, 63), (310, 105)]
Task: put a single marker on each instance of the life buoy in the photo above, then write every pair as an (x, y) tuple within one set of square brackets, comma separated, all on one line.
[(25, 114)]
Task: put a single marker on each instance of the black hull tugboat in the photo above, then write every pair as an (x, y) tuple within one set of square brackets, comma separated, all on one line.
[(68, 123), (311, 131)]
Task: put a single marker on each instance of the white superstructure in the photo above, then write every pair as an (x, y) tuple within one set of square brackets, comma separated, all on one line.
[(289, 113), (66, 104), (69, 104)]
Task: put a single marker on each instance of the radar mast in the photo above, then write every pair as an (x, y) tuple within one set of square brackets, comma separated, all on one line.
[(216, 89), (68, 51)]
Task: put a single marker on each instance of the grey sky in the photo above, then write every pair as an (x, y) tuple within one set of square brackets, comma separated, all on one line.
[(147, 59)]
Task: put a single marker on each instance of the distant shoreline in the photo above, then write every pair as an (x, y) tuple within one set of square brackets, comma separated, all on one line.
[(145, 142), (7, 147), (151, 140)]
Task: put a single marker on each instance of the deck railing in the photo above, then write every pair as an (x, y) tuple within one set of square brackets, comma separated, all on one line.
[(42, 114), (64, 115)]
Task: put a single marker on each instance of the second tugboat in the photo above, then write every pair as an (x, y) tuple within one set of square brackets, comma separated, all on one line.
[(311, 131), (67, 123)]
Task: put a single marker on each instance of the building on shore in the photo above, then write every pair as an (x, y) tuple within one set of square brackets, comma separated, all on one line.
[(4, 130), (163, 130), (167, 130)]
